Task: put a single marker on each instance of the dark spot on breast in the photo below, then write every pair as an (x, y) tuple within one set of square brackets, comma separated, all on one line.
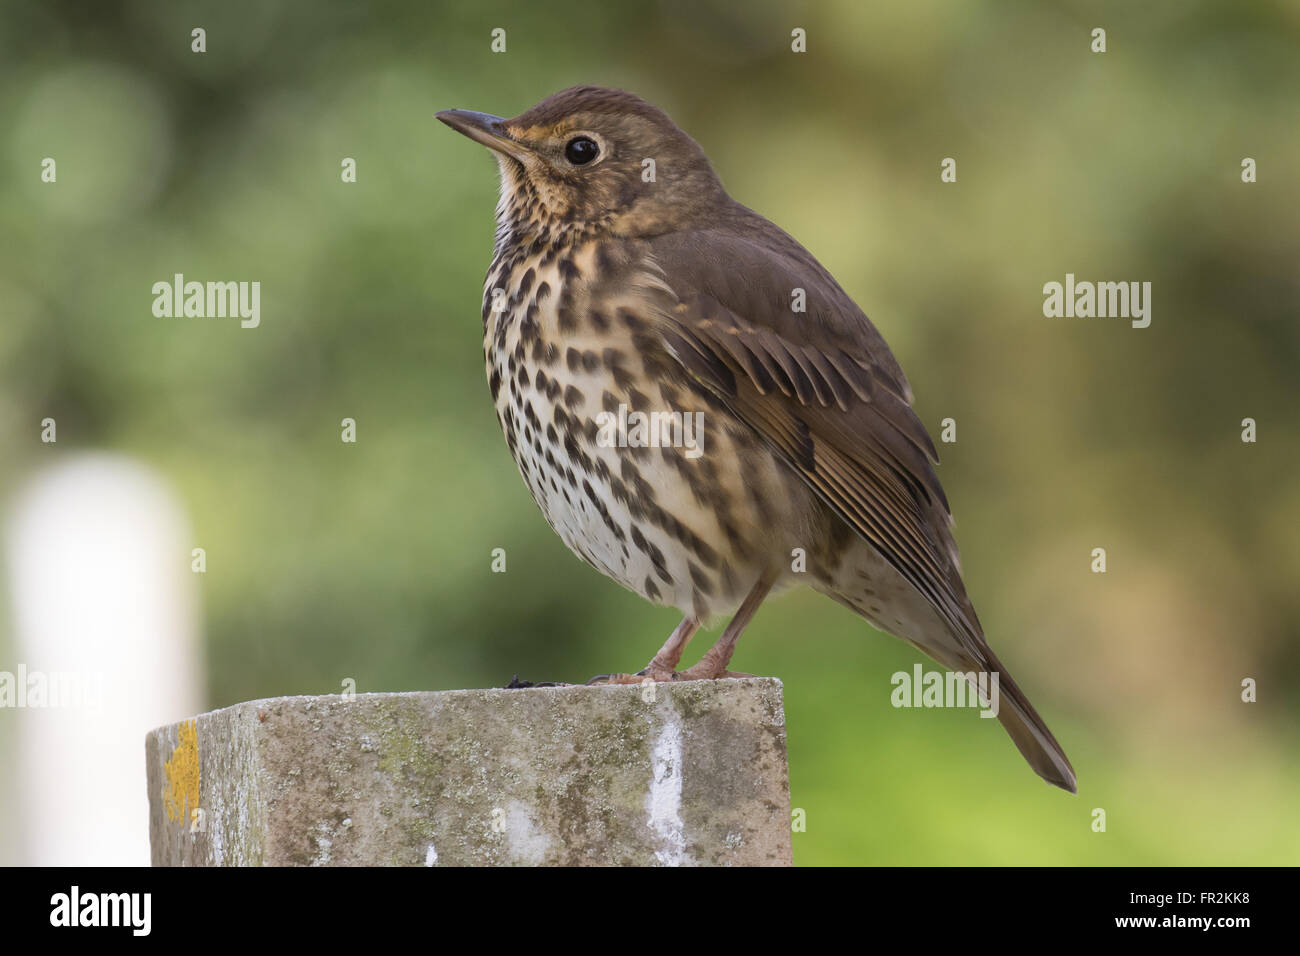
[(733, 538), (525, 283), (568, 321), (651, 550), (577, 455), (670, 524), (529, 330), (700, 579), (622, 377)]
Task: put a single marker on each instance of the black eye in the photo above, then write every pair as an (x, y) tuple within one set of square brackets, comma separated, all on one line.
[(581, 150)]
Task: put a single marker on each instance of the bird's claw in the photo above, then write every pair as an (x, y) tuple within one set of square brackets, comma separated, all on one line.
[(651, 673), (640, 677)]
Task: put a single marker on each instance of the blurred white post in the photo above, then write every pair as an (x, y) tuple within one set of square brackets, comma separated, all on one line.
[(104, 605)]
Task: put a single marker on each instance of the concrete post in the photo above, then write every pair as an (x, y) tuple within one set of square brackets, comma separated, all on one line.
[(692, 773)]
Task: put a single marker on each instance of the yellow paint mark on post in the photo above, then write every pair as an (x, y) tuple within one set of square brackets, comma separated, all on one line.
[(181, 788)]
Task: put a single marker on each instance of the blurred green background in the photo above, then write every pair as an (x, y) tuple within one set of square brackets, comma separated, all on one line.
[(371, 561)]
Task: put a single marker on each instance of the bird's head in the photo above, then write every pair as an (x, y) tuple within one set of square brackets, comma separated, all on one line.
[(595, 158)]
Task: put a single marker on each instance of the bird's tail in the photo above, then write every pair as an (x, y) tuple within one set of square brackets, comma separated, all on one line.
[(1027, 730)]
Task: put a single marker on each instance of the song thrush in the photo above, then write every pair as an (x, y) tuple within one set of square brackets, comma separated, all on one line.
[(625, 280)]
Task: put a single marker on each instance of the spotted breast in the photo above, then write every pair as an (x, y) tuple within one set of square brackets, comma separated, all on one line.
[(634, 467)]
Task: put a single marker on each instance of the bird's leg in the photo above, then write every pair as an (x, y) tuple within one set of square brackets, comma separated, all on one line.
[(714, 662), (664, 663)]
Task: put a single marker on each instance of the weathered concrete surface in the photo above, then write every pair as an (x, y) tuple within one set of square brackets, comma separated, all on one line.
[(692, 773)]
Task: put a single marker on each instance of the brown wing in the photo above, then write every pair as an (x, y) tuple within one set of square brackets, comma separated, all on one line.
[(821, 387)]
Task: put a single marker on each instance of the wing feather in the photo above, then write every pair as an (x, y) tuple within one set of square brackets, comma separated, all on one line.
[(821, 388)]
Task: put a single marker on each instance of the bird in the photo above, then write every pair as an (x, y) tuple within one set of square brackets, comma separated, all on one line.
[(625, 280)]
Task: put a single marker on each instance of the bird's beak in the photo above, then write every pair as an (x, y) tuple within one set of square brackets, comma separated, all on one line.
[(486, 129)]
